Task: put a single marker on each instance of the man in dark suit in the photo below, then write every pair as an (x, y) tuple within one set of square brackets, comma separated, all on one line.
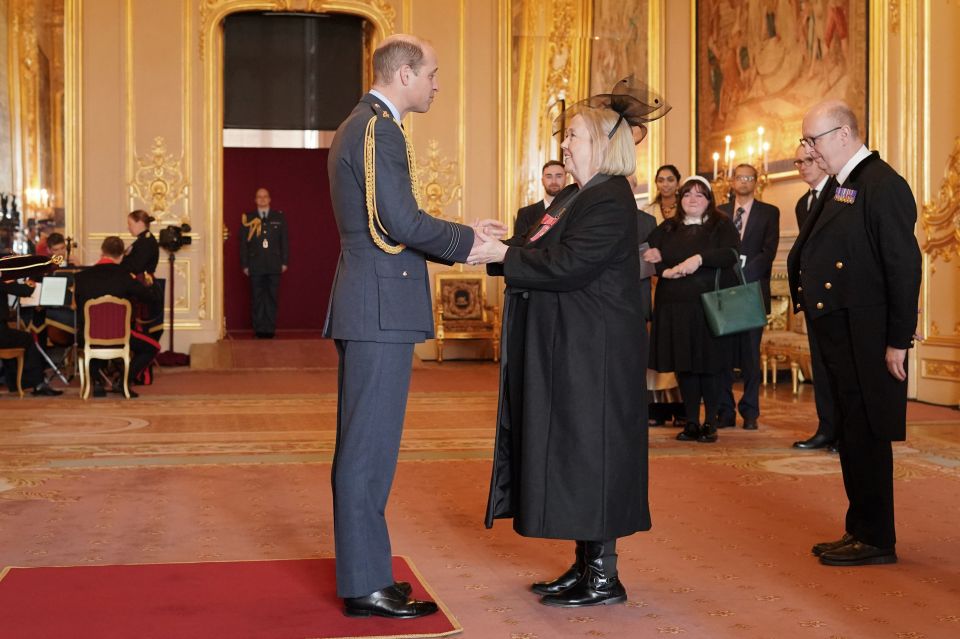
[(264, 254), (379, 307), (108, 277), (759, 227), (855, 272), (33, 363), (826, 435), (553, 177)]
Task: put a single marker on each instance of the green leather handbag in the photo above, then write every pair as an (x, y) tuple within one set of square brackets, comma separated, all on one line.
[(735, 309)]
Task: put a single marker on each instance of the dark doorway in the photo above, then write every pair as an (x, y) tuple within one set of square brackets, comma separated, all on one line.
[(289, 80)]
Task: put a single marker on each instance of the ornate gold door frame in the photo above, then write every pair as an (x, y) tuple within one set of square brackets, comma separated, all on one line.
[(381, 15)]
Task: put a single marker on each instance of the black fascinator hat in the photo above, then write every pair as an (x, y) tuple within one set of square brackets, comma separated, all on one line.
[(632, 100)]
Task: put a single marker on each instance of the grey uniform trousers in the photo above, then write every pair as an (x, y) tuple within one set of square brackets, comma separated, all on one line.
[(373, 382)]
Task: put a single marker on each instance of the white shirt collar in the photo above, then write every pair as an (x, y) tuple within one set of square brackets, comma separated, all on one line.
[(383, 98), (822, 183), (547, 201), (692, 221), (862, 154)]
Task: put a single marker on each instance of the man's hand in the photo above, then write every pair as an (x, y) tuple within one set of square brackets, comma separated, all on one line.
[(487, 251), (283, 269), (490, 229), (895, 358), (246, 271)]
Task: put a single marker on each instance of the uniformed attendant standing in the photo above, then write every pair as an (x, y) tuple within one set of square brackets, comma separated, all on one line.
[(264, 253), (141, 256), (379, 307), (141, 259), (855, 272)]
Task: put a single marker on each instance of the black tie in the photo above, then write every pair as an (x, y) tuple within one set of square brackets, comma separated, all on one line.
[(811, 199), (738, 219)]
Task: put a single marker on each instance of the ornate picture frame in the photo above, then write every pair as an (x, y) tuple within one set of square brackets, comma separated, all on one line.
[(780, 67)]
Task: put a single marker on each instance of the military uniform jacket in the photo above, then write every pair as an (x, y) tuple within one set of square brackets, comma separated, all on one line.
[(254, 255), (109, 279), (377, 296), (142, 256), (857, 252)]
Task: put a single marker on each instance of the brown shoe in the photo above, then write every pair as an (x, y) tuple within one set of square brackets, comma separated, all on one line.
[(858, 554), (827, 546)]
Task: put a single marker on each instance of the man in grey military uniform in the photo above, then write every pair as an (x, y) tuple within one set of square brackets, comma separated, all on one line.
[(380, 307), (264, 253)]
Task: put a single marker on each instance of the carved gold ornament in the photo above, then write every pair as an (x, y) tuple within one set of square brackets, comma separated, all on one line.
[(438, 175), (941, 218), (159, 182), (379, 11)]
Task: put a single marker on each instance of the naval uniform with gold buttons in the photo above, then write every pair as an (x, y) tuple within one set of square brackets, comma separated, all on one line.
[(379, 307), (855, 271)]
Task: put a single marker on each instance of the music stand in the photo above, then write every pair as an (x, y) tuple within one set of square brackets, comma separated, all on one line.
[(53, 293)]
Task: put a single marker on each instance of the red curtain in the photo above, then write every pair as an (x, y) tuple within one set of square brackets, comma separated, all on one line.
[(298, 185)]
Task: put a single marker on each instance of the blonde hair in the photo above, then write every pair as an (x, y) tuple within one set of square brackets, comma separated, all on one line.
[(611, 156)]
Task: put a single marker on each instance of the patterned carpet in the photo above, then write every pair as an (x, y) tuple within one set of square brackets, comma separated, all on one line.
[(234, 465)]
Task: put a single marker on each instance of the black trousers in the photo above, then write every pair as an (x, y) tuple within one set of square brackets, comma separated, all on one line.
[(748, 349), (865, 459), (142, 353), (264, 294), (826, 422), (697, 387)]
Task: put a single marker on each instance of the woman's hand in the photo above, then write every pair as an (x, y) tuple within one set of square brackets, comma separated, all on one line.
[(687, 267), (652, 256), (487, 251)]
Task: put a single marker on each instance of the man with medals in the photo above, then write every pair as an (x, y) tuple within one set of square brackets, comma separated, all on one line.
[(264, 253)]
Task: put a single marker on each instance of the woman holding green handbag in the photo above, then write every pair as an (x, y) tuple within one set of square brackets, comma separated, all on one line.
[(688, 249)]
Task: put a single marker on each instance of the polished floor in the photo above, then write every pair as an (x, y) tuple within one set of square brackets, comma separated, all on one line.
[(234, 465)]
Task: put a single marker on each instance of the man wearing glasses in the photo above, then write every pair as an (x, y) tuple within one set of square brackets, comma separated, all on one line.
[(759, 226), (826, 435), (855, 272)]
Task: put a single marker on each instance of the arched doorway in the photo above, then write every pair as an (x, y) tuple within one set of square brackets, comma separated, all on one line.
[(379, 18)]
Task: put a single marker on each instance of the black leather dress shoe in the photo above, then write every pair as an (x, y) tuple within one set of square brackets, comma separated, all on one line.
[(832, 448), (858, 554), (817, 441), (708, 434), (726, 421), (690, 432), (750, 424), (826, 546), (388, 602), (99, 391), (46, 391)]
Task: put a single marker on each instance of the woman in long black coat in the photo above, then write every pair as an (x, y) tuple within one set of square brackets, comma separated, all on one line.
[(688, 249), (571, 449)]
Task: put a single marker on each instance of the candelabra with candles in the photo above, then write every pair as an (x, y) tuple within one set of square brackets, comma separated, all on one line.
[(722, 182)]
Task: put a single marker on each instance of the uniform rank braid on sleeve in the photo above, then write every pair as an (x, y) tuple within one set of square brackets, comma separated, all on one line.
[(370, 179), (454, 242)]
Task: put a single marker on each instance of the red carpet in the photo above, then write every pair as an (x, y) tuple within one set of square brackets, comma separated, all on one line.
[(294, 599)]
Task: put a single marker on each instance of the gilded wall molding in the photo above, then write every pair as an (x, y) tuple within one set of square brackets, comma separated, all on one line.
[(159, 182), (940, 369), (439, 179), (25, 92), (941, 217), (380, 12)]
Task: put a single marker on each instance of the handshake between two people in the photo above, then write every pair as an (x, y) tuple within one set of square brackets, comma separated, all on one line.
[(487, 247)]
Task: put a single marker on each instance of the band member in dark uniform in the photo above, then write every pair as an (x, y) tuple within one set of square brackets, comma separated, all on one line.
[(264, 253), (142, 256), (109, 277), (141, 259)]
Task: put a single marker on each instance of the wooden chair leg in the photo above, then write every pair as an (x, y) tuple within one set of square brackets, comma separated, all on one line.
[(795, 376), (126, 375), (763, 362), (20, 358), (439, 344), (86, 366), (496, 350), (773, 363)]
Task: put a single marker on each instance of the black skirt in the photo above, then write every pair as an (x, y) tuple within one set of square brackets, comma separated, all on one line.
[(681, 341)]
